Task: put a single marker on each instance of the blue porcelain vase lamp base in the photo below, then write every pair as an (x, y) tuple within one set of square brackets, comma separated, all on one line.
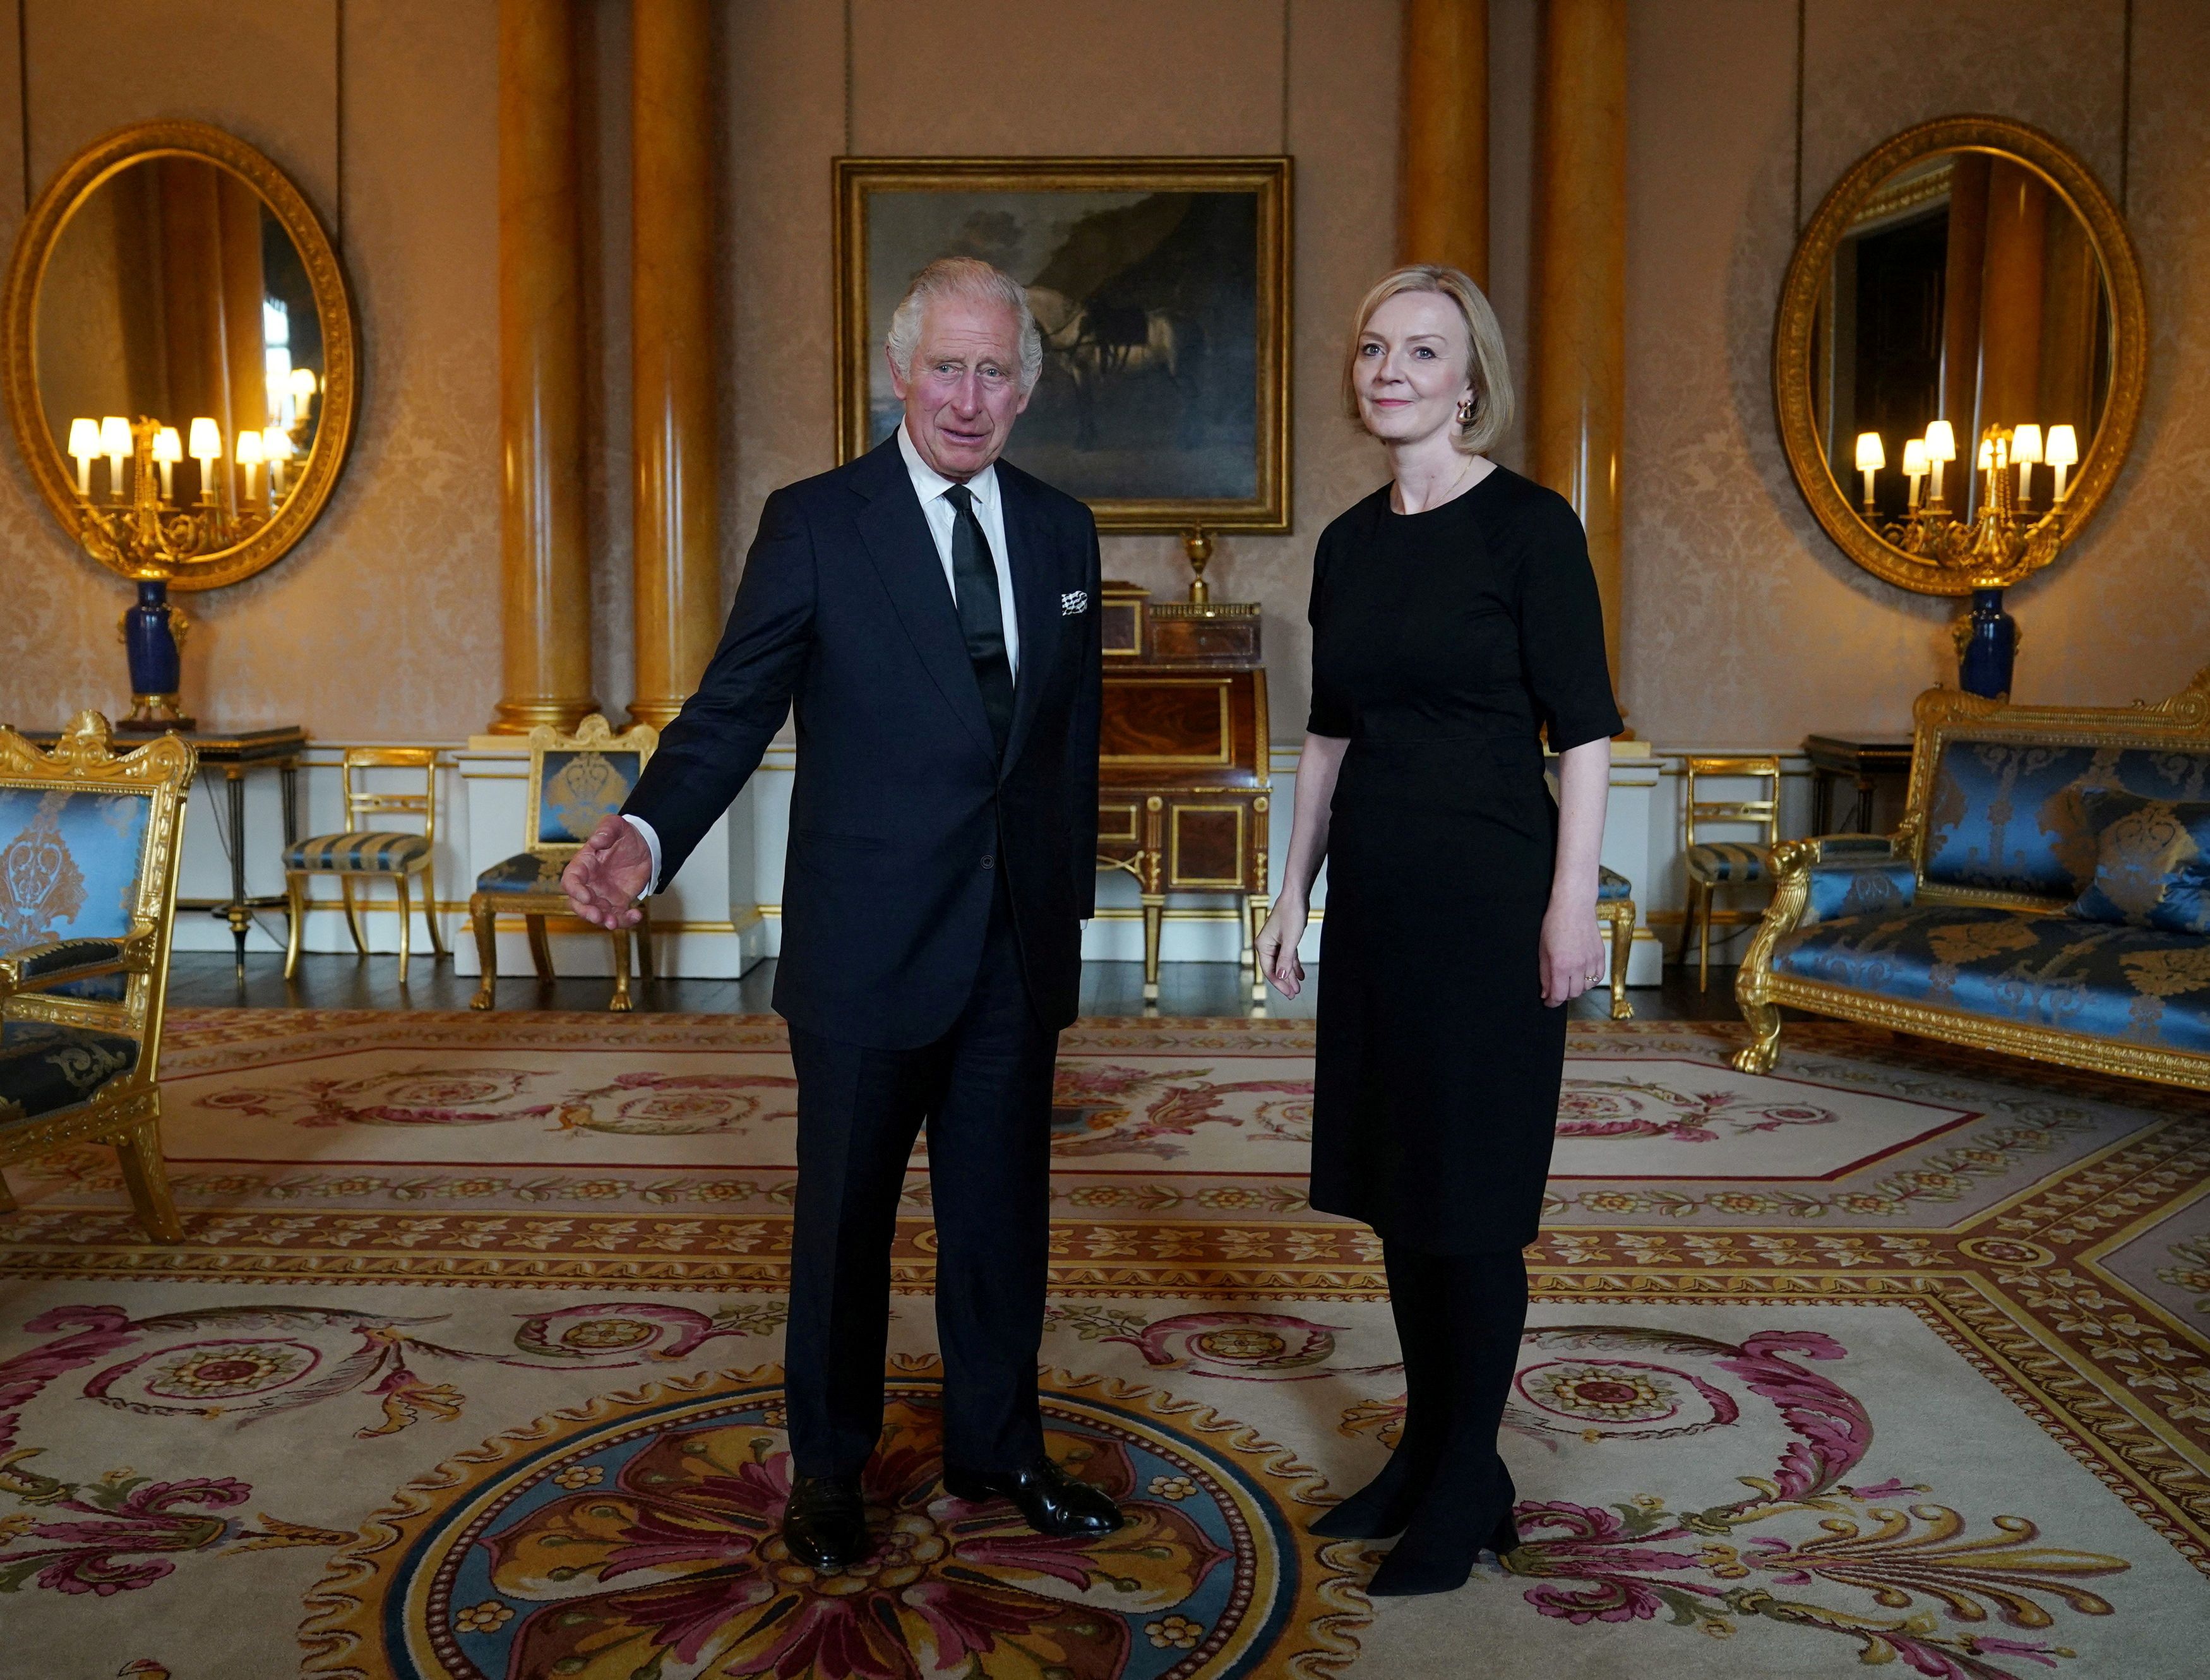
[(151, 631), (1987, 647)]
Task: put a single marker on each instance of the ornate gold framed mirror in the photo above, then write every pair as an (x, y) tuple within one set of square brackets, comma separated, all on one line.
[(181, 358), (1958, 358)]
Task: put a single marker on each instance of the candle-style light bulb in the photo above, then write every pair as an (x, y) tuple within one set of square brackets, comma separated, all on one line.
[(1872, 455), (1940, 449), (115, 444), (168, 449), (206, 449), (249, 458), (2061, 452), (1914, 467), (83, 444), (276, 451)]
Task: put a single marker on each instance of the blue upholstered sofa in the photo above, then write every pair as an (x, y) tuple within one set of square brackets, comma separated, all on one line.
[(2047, 895)]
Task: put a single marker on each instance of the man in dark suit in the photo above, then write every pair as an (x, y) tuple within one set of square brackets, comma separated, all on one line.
[(931, 614)]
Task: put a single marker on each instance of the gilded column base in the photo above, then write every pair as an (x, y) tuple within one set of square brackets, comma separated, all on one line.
[(519, 717), (659, 713)]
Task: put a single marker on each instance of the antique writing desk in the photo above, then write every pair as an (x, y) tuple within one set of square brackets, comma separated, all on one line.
[(1182, 759)]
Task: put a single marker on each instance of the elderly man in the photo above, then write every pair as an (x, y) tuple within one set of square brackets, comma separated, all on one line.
[(931, 613)]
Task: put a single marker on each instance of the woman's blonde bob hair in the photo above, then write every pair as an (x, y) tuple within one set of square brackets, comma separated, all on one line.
[(1491, 373)]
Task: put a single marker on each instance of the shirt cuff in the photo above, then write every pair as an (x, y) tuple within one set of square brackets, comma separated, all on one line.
[(652, 841)]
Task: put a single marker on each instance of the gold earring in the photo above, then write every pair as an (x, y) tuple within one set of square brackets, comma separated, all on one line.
[(1465, 411)]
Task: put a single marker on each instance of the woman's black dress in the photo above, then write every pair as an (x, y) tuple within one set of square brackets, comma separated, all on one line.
[(1442, 643)]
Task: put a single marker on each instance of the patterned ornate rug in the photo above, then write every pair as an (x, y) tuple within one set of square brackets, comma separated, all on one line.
[(468, 1368)]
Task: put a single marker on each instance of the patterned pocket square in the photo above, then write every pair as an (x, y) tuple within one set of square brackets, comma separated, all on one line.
[(1073, 601)]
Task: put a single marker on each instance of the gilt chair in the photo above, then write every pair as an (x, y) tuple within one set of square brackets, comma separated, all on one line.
[(1614, 909), (365, 852), (88, 848), (1713, 864), (574, 781)]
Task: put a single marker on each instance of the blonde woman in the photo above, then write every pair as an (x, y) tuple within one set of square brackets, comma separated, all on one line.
[(1455, 624)]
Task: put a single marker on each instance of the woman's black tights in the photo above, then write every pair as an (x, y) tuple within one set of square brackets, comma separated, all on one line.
[(1445, 1489)]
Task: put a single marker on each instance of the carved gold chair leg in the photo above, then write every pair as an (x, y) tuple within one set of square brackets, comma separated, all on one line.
[(295, 896), (1704, 941), (484, 920), (1154, 910), (138, 1150), (430, 912), (1622, 947), (644, 943), (540, 946), (1764, 1047), (620, 1001), (1261, 907), (352, 914), (406, 923)]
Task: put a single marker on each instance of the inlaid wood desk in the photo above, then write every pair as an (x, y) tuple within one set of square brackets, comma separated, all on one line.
[(1182, 766), (232, 753)]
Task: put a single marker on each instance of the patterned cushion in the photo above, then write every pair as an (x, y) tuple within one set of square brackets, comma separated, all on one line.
[(43, 1067), (526, 872), (1728, 862), (1611, 885), (2142, 985), (69, 864), (578, 788), (2010, 816), (2151, 863), (375, 850), (1857, 885)]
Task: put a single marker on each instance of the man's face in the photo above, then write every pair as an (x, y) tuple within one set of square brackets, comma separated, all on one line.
[(963, 391)]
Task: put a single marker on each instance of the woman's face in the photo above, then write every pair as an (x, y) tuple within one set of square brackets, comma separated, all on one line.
[(1413, 367)]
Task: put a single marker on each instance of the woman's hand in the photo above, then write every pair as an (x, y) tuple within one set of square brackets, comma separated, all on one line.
[(1277, 946), (1573, 951)]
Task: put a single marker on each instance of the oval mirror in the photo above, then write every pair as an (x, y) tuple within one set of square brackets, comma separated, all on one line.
[(180, 355), (1957, 362)]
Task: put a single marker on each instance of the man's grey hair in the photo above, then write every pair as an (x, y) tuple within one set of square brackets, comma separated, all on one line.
[(963, 277)]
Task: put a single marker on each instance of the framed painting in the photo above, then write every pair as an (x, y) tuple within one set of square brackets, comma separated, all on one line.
[(1161, 287)]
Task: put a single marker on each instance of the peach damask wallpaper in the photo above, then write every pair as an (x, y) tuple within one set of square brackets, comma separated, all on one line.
[(1743, 624)]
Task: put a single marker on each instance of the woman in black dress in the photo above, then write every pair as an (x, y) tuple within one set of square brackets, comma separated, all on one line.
[(1455, 622)]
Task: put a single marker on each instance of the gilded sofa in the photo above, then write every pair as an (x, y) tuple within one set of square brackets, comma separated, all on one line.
[(1985, 920)]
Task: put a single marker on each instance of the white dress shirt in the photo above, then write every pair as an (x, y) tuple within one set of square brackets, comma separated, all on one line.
[(928, 488)]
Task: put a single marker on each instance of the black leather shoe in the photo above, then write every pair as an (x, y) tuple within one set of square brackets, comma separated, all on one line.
[(826, 1523), (1050, 1499)]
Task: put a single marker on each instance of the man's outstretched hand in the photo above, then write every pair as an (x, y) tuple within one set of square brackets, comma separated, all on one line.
[(603, 880)]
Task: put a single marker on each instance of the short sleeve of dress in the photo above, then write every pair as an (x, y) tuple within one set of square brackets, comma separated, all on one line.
[(1332, 713), (1561, 630)]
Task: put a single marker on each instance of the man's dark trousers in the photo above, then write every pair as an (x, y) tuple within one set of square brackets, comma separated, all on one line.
[(984, 1089)]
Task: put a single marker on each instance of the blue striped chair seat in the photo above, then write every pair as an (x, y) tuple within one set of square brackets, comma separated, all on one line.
[(1728, 862), (370, 851), (44, 1067), (1611, 885), (525, 872)]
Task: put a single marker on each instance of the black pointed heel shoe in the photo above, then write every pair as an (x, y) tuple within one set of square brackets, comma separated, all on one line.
[(1437, 1555)]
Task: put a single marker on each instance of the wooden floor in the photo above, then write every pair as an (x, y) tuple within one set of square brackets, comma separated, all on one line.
[(206, 980)]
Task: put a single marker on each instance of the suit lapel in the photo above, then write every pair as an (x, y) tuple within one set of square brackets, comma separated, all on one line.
[(905, 559), (1036, 606)]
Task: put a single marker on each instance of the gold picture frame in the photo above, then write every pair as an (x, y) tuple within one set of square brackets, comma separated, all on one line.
[(1795, 329), (1146, 339), (340, 394)]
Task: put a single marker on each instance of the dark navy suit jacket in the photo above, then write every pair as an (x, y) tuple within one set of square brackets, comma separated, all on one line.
[(901, 818)]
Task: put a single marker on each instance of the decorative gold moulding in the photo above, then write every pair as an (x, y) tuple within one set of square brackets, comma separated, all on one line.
[(1794, 374), (339, 397)]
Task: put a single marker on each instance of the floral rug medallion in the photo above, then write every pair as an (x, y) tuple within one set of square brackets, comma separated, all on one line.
[(639, 1535)]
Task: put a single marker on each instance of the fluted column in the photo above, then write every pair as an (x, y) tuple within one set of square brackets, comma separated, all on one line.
[(544, 564), (1577, 393), (1442, 214), (671, 305)]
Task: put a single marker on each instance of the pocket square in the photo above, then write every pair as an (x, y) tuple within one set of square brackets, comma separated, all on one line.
[(1073, 601)]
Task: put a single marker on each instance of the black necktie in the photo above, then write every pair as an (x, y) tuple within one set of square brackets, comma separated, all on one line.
[(981, 614)]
